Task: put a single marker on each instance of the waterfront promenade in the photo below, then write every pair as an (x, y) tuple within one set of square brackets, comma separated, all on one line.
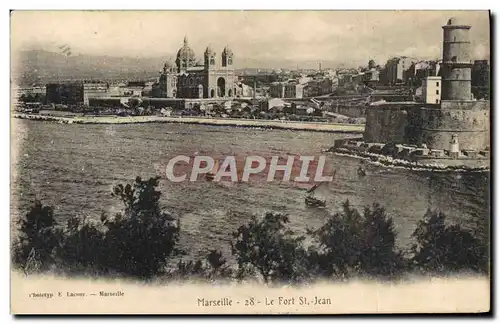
[(257, 123)]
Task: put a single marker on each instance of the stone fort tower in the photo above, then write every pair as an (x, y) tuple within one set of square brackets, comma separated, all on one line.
[(457, 63), (458, 114)]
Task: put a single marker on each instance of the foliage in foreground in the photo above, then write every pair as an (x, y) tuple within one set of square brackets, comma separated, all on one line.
[(445, 248), (351, 243), (137, 242), (142, 241), (266, 245)]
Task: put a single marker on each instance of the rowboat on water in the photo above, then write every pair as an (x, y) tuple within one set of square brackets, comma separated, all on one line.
[(312, 201)]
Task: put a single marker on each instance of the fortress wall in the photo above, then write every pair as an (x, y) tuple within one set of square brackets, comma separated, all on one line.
[(414, 125), (386, 124), (351, 111), (469, 120), (466, 105)]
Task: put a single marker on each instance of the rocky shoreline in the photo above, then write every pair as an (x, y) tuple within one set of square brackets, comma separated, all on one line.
[(388, 161), (272, 124)]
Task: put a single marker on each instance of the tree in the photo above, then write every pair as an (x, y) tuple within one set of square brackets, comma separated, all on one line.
[(444, 248), (139, 241), (213, 267), (267, 246), (379, 254), (134, 103), (339, 244), (37, 239), (81, 246), (353, 244)]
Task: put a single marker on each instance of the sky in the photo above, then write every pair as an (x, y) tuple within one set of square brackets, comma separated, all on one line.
[(344, 37)]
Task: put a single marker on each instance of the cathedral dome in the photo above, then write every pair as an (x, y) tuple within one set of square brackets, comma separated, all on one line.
[(185, 53)]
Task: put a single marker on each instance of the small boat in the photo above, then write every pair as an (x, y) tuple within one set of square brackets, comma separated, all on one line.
[(361, 171), (314, 202)]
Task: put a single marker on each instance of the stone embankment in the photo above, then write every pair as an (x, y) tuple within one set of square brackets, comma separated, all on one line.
[(274, 124), (374, 154)]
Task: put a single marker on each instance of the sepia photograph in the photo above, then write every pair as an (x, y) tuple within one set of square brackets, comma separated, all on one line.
[(250, 162)]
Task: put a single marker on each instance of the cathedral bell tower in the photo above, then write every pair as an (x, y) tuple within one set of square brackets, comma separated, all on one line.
[(227, 58), (210, 58)]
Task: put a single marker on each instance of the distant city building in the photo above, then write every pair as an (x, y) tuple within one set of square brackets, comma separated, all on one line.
[(94, 90), (243, 90), (288, 89), (274, 103), (33, 91), (423, 69), (431, 90), (396, 67), (188, 78), (70, 93), (73, 93), (318, 87), (371, 76), (345, 79)]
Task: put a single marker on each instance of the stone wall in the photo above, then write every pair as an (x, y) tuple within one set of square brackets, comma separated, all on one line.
[(470, 120), (387, 123), (350, 111)]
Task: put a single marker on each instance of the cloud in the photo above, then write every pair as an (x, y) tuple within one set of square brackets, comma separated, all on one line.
[(344, 36)]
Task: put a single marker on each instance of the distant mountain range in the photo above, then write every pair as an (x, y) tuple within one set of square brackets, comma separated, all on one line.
[(40, 67)]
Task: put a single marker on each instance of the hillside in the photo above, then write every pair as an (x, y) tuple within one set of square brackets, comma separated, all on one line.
[(39, 66)]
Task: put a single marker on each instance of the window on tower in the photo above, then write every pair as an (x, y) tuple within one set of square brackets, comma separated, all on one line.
[(212, 61), (230, 61)]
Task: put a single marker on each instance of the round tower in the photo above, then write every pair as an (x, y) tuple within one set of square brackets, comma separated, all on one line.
[(456, 71), (457, 118)]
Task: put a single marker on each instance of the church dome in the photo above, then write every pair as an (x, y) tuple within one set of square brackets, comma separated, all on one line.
[(185, 52)]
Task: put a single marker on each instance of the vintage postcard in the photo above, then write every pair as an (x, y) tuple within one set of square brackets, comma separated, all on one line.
[(250, 162)]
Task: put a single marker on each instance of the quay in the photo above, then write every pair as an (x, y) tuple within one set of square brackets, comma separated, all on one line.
[(257, 123)]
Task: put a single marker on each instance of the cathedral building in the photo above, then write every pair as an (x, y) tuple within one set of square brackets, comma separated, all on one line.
[(189, 78)]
